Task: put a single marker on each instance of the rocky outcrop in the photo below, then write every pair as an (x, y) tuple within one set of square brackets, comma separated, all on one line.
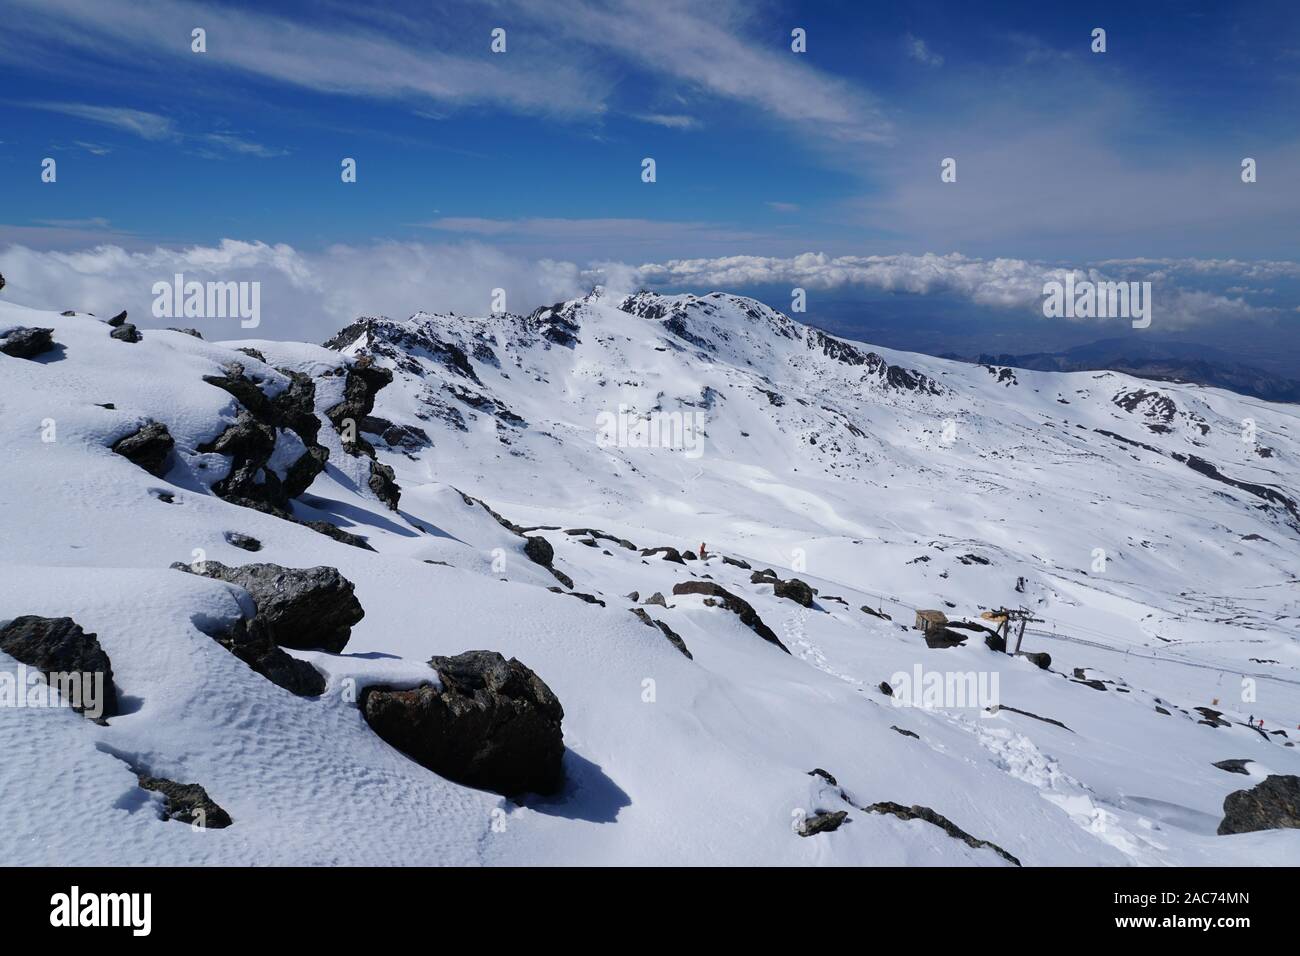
[(362, 383), (187, 803), (539, 551), (669, 554), (243, 541), (795, 590), (303, 608), (673, 637), (251, 441), (1271, 805), (63, 652), (248, 640), (26, 343), (492, 723), (738, 606), (940, 821), (1235, 765), (150, 447), (824, 822)]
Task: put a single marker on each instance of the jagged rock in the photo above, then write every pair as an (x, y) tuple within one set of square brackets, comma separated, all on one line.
[(383, 483), (2, 282), (669, 554), (252, 353), (188, 803), (493, 724), (1211, 717), (363, 381), (588, 598), (192, 332), (27, 343), (886, 689), (1235, 765), (118, 320), (1025, 713), (539, 551), (302, 608), (825, 775), (748, 616), (673, 637), (1271, 805), (795, 590), (149, 447), (736, 562), (996, 642), (248, 640), (58, 646), (126, 332), (656, 598), (247, 542), (634, 596), (825, 822), (1040, 659), (905, 733), (940, 821), (874, 613), (943, 638)]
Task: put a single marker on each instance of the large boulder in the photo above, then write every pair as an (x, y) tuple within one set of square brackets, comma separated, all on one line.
[(149, 447), (493, 724), (1271, 805), (801, 592), (539, 551), (302, 608), (58, 646), (187, 803), (26, 343)]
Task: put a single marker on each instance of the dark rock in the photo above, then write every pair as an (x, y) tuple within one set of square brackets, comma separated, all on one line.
[(27, 343), (383, 483), (1040, 659), (748, 616), (905, 733), (825, 775), (588, 598), (874, 613), (252, 353), (296, 607), (188, 803), (886, 689), (1271, 805), (126, 333), (1235, 765), (669, 554), (943, 638), (539, 551), (1094, 684), (940, 821), (247, 542), (118, 320), (58, 646), (996, 642), (656, 598), (1025, 713), (736, 562), (149, 447), (1211, 717), (363, 382), (794, 590), (674, 638), (247, 639), (825, 822), (494, 724), (193, 332), (1161, 710)]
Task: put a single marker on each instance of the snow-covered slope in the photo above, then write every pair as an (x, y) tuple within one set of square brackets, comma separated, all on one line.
[(1157, 544)]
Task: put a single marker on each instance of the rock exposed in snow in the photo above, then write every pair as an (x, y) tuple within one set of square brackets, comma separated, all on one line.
[(493, 724), (302, 608), (150, 447), (187, 803), (58, 648), (825, 822), (26, 343), (738, 606), (1273, 804)]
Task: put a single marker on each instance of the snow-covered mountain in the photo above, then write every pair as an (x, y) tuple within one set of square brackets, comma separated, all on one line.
[(527, 484)]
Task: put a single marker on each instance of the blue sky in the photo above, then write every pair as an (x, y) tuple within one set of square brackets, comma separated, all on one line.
[(1064, 156)]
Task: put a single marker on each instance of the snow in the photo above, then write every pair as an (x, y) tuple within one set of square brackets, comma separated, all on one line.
[(670, 760)]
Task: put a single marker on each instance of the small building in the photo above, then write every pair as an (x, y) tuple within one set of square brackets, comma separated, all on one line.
[(931, 622)]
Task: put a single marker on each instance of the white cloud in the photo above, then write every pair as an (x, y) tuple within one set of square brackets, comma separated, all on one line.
[(670, 120), (920, 51), (304, 295), (150, 126)]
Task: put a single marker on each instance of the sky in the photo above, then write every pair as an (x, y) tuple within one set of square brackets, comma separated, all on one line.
[(774, 168)]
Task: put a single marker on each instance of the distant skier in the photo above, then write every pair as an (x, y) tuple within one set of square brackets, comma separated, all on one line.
[(703, 554)]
